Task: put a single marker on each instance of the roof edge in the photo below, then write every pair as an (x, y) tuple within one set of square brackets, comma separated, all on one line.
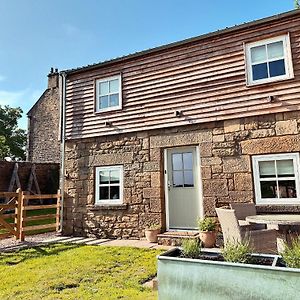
[(183, 42)]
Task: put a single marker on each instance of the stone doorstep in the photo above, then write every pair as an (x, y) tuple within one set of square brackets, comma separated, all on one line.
[(173, 238)]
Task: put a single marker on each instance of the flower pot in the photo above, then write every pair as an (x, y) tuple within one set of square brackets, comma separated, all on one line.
[(151, 235), (208, 238)]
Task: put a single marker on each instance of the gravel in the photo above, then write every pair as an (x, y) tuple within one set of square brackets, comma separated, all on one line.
[(11, 244)]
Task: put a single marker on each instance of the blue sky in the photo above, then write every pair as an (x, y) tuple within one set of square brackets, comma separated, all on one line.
[(36, 35)]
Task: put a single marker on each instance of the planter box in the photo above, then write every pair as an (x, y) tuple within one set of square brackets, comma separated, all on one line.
[(183, 278)]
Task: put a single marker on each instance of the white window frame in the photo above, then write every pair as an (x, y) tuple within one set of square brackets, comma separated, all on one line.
[(97, 185), (111, 108), (270, 157), (287, 60)]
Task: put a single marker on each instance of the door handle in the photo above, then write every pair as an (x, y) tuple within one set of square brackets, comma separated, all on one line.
[(169, 185)]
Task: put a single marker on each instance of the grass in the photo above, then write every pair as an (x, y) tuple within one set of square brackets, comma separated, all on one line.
[(65, 271)]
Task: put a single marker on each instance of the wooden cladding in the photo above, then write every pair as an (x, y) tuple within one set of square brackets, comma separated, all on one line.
[(205, 80)]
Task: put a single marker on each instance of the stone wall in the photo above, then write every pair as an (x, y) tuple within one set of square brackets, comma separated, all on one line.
[(43, 126), (225, 150)]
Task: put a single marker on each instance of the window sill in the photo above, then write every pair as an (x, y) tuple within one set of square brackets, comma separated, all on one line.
[(264, 82), (107, 207)]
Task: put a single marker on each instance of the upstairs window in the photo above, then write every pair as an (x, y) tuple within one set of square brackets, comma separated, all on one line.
[(269, 60), (108, 94), (276, 178)]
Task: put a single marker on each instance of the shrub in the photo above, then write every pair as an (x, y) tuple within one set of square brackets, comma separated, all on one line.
[(291, 254), (207, 224), (153, 227), (191, 248), (237, 251)]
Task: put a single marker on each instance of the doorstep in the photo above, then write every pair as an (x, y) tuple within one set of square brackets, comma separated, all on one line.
[(174, 238)]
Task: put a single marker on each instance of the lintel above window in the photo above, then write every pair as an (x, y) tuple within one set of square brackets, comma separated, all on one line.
[(269, 60), (108, 94), (276, 178)]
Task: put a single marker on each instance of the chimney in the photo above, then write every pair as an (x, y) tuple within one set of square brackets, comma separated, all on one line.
[(53, 78)]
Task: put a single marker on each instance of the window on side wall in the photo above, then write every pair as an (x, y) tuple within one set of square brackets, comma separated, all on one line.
[(276, 178), (109, 185), (108, 94), (269, 60)]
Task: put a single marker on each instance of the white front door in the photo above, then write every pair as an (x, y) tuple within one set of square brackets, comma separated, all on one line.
[(182, 188)]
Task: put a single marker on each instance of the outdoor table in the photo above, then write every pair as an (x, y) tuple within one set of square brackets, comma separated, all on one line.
[(282, 223)]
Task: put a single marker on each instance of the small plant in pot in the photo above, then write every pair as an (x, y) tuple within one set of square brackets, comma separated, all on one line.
[(151, 233), (208, 234)]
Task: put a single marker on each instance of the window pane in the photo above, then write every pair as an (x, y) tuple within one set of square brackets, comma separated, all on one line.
[(287, 189), (177, 161), (114, 192), (104, 177), (259, 71), (178, 179), (188, 179), (268, 189), (115, 176), (285, 168), (275, 50), (188, 161), (103, 103), (114, 86), (266, 169), (258, 54), (103, 88), (104, 193), (277, 68), (114, 100)]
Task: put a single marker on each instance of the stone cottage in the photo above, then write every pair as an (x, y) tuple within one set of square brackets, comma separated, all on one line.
[(165, 135)]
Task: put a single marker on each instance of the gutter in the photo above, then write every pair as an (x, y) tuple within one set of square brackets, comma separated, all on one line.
[(62, 83)]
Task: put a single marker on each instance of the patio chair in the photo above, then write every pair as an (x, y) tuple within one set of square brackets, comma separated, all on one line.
[(243, 210), (263, 241)]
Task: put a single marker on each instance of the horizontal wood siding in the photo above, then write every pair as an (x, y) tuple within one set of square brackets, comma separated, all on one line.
[(204, 79)]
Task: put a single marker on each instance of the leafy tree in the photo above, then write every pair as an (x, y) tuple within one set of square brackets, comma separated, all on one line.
[(297, 4), (12, 138)]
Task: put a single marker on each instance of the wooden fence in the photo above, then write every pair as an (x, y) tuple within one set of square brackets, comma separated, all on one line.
[(20, 216)]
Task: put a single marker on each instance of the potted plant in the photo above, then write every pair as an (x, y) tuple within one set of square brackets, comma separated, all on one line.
[(232, 273), (207, 231), (151, 233)]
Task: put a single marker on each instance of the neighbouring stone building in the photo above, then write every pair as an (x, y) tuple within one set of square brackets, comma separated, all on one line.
[(166, 135), (43, 145)]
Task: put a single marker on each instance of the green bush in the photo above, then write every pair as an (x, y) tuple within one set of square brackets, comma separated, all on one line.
[(191, 248), (237, 252), (291, 254), (207, 224)]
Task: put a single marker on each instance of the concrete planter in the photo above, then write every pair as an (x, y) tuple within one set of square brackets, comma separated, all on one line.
[(151, 235), (183, 278)]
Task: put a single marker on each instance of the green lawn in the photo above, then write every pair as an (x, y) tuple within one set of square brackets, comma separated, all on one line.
[(65, 271)]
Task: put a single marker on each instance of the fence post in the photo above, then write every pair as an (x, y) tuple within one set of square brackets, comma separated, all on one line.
[(18, 209), (22, 217), (58, 210)]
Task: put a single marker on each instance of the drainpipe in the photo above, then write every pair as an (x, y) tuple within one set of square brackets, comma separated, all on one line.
[(62, 89)]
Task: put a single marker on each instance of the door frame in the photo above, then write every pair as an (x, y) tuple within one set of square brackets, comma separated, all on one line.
[(200, 193)]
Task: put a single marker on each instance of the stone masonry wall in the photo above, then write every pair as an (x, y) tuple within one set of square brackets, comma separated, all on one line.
[(225, 150), (43, 130)]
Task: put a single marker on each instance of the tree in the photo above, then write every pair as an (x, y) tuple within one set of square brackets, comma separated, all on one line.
[(297, 4), (12, 138)]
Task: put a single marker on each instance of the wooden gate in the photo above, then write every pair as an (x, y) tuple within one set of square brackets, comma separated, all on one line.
[(9, 222), (18, 216)]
